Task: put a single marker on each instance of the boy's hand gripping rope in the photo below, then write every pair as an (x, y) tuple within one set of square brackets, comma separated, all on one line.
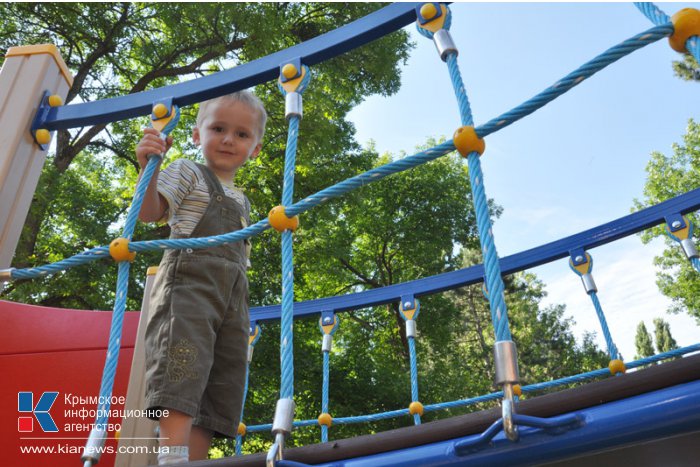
[(294, 77), (120, 247), (433, 22)]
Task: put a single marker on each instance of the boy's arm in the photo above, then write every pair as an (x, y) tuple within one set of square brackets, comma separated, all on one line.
[(154, 205)]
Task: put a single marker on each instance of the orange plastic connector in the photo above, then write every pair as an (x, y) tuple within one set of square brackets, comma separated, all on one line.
[(55, 100), (242, 429), (686, 24), (466, 141), (289, 71), (517, 390), (119, 250), (325, 419), (616, 366), (279, 220), (428, 11), (415, 408), (42, 136), (160, 110)]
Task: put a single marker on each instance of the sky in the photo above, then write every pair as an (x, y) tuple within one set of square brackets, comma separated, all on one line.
[(576, 163)]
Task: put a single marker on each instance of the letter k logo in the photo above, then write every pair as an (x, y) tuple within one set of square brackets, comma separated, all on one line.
[(25, 403)]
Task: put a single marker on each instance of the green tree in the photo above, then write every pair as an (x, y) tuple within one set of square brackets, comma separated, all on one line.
[(687, 68), (398, 229), (115, 49), (409, 226), (662, 334), (669, 176), (643, 343)]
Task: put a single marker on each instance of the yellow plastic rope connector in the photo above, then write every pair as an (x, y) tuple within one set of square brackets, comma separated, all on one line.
[(328, 328), (517, 390), (428, 12), (163, 116), (292, 84), (119, 250), (160, 110), (279, 220), (55, 100), (415, 408), (680, 234), (289, 71), (616, 366), (242, 429), (252, 337), (686, 24), (466, 141), (42, 136), (585, 267), (325, 419)]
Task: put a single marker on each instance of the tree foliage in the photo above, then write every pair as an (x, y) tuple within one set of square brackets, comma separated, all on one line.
[(411, 225), (643, 343), (121, 48), (669, 176), (687, 68), (662, 333)]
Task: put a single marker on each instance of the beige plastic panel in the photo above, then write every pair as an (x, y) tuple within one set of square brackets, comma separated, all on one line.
[(23, 80), (137, 435)]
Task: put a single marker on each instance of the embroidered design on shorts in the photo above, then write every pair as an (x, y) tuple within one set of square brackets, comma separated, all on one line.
[(181, 357)]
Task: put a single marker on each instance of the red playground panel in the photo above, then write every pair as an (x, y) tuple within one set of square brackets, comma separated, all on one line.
[(52, 360)]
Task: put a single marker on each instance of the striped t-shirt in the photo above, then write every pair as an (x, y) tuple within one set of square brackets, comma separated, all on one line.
[(184, 188)]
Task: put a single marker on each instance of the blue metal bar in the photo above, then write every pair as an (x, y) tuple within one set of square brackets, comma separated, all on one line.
[(313, 51), (597, 236), (553, 425), (655, 415)]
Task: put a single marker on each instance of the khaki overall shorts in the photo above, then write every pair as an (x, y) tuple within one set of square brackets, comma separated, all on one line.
[(197, 334)]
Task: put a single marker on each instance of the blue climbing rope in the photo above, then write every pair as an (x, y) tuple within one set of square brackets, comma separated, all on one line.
[(414, 375), (532, 388), (325, 393), (341, 188), (574, 78), (494, 281), (653, 12), (287, 318), (112, 358), (612, 348), (239, 437)]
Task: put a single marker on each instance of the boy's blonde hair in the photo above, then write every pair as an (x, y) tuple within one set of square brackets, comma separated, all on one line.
[(246, 97)]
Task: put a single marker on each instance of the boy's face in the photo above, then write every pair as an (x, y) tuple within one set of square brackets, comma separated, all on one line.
[(227, 136)]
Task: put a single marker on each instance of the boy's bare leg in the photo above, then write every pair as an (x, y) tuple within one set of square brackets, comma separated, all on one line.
[(174, 435), (200, 442), (175, 429)]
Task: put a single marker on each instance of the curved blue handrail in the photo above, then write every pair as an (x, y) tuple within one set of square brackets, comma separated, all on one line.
[(331, 44), (597, 236)]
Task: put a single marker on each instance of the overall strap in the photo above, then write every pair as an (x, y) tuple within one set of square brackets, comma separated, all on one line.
[(212, 180)]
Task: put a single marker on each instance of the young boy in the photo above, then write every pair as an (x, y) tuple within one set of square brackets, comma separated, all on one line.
[(197, 335)]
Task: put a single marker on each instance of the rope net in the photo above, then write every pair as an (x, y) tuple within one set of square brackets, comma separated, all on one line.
[(433, 24)]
